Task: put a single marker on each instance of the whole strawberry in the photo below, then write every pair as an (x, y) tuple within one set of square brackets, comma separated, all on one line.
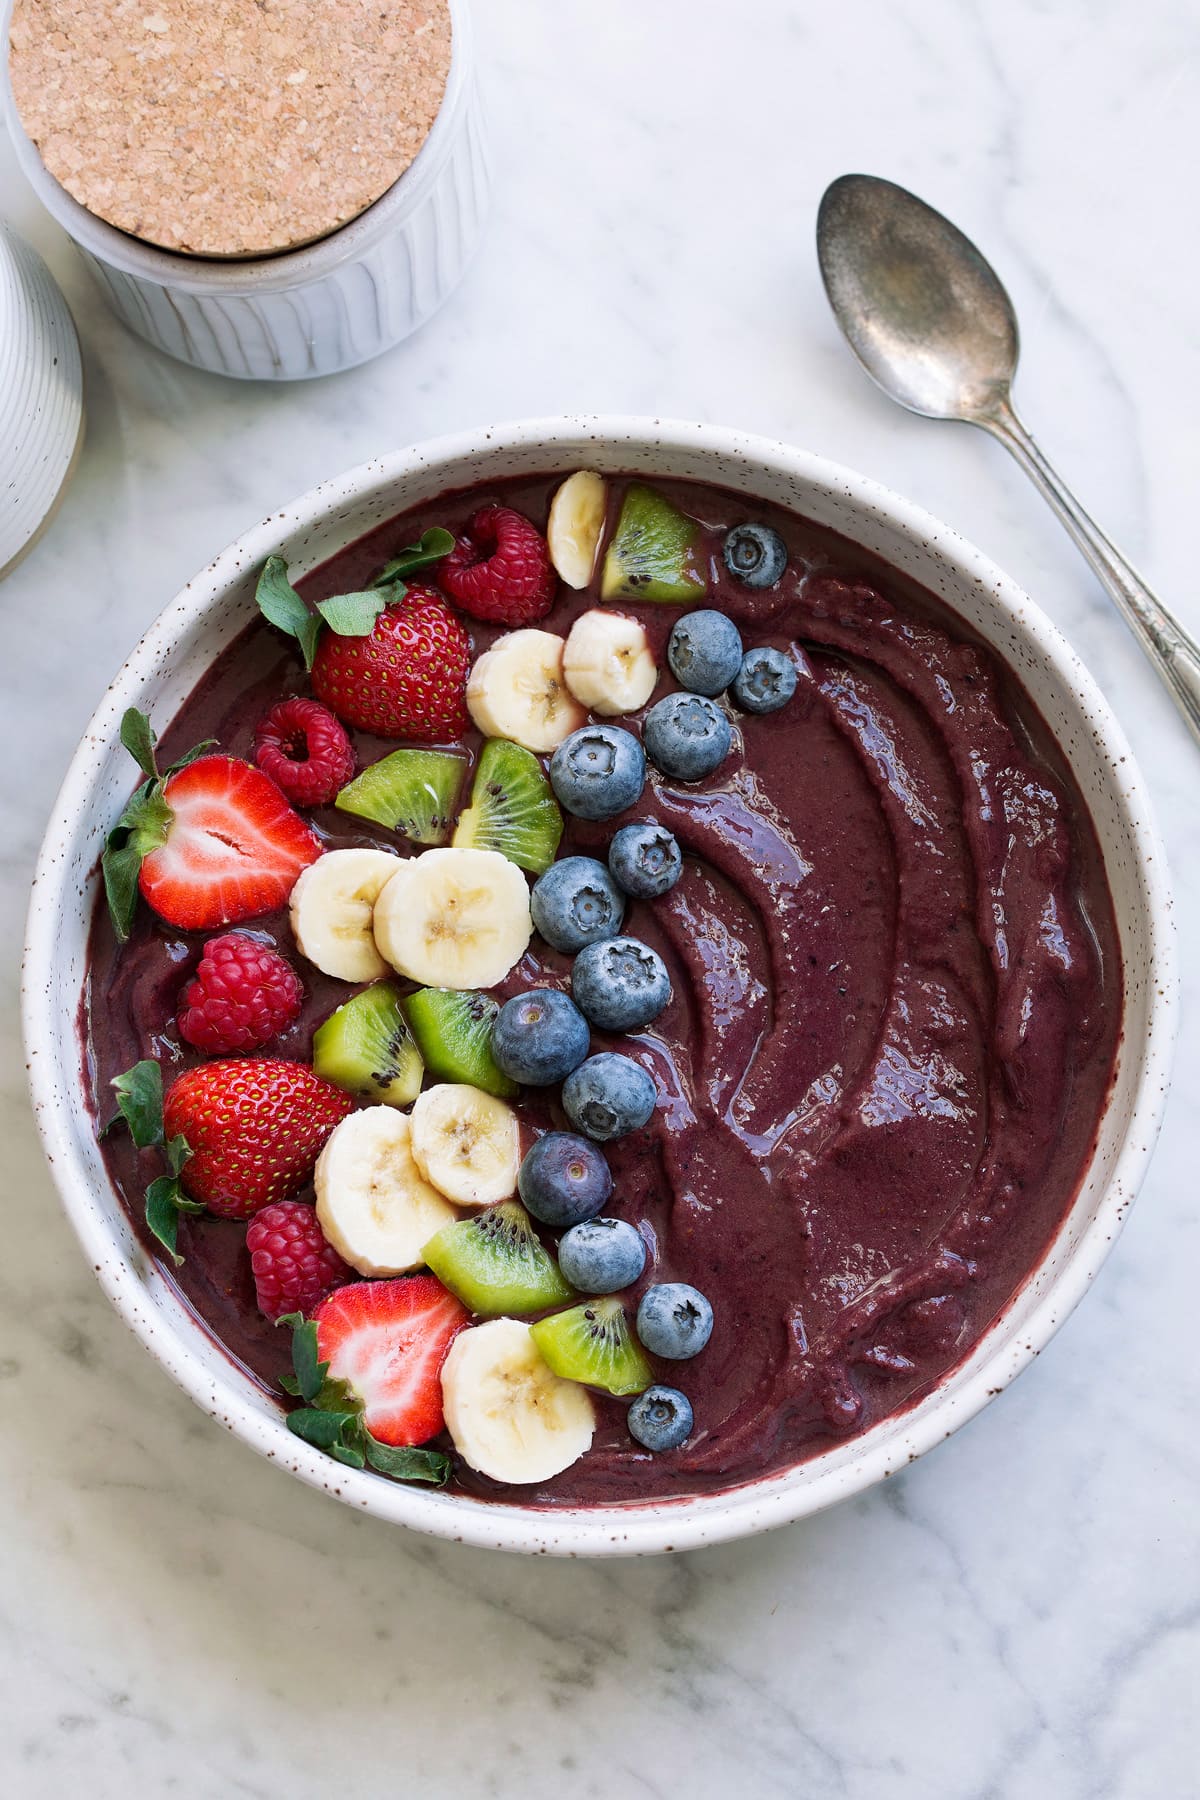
[(406, 678), (304, 750), (500, 569), (293, 1261), (242, 995), (254, 1130)]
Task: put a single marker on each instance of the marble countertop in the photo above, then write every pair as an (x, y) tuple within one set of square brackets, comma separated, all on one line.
[(1017, 1616)]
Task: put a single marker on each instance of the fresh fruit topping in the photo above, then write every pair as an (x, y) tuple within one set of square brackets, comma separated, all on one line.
[(332, 1417), (564, 1179), (518, 690), (404, 678), (755, 554), (254, 1130), (367, 1048), (539, 1037), (601, 1255), (576, 525), (242, 995), (705, 651), (508, 1414), (765, 682), (655, 553), (686, 736), (454, 1035), (333, 907), (294, 1264), (140, 1101), (620, 985), (577, 902), (431, 547), (500, 569), (608, 1096), (495, 1264), (592, 1343), (660, 1419), (454, 918), (512, 809), (466, 1143), (411, 791), (645, 860), (674, 1320), (304, 750), (388, 1340), (598, 771), (212, 843), (608, 663), (375, 1206)]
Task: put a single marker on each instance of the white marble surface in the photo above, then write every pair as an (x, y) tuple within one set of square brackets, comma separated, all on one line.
[(1014, 1619)]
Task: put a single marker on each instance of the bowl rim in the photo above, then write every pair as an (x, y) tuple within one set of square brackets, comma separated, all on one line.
[(631, 1528), (249, 275)]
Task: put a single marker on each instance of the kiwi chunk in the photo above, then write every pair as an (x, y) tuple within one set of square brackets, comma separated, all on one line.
[(512, 808), (655, 553), (496, 1264), (592, 1343), (453, 1030), (412, 791), (367, 1048)]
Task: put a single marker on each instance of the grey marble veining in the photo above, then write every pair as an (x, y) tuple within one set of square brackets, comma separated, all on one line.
[(1016, 1618)]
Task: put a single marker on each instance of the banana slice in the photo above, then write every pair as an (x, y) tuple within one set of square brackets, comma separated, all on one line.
[(608, 664), (509, 1415), (331, 909), (454, 918), (516, 690), (575, 526), (466, 1143), (375, 1206)]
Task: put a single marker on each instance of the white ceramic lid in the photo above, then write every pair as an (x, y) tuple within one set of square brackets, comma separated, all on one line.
[(41, 395)]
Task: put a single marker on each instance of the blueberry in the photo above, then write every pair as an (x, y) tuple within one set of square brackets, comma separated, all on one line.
[(645, 860), (674, 1320), (564, 1179), (755, 554), (539, 1036), (608, 1095), (601, 1256), (620, 984), (705, 652), (660, 1419), (765, 682), (686, 736), (598, 771), (577, 902)]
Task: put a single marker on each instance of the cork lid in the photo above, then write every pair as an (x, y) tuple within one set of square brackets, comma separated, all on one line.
[(228, 127)]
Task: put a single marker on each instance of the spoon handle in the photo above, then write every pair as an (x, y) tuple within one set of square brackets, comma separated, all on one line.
[(1173, 652)]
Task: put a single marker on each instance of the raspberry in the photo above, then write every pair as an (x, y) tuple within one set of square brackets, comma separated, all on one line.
[(304, 750), (294, 1264), (500, 569), (242, 994)]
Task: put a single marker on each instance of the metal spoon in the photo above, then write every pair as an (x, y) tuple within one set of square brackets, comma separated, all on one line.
[(929, 320)]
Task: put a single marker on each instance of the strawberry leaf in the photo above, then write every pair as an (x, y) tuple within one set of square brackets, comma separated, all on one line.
[(310, 1371), (189, 756), (140, 1098), (165, 1200), (142, 827), (435, 544), (337, 1432), (281, 605), (404, 1464), (354, 615), (139, 740)]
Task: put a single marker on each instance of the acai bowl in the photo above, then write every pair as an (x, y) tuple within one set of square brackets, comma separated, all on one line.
[(907, 1274)]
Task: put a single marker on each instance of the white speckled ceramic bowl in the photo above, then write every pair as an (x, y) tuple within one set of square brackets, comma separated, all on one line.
[(319, 309), (161, 673)]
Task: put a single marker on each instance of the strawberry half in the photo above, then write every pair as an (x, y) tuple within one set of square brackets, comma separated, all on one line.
[(387, 1340), (231, 846), (405, 678), (253, 1130)]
